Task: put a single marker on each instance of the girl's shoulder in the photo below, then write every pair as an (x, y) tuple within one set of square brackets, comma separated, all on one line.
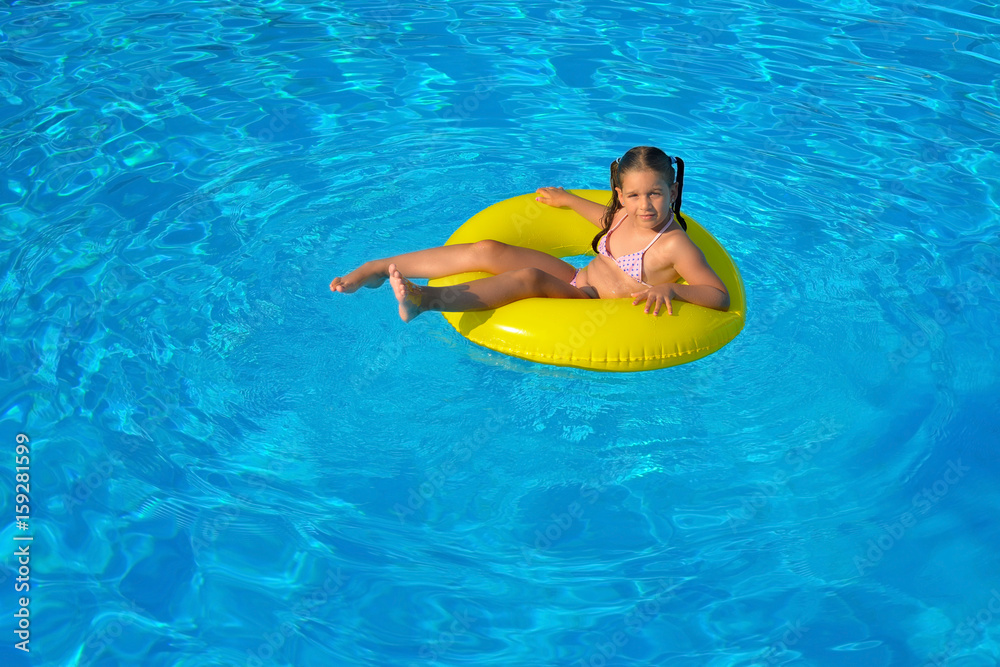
[(672, 243)]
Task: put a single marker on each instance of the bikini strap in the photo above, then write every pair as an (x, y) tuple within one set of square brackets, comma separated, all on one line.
[(619, 222), (657, 236)]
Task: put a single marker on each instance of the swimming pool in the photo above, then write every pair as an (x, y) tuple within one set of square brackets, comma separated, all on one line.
[(232, 466)]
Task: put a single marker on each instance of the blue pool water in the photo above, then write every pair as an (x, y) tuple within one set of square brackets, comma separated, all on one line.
[(229, 465)]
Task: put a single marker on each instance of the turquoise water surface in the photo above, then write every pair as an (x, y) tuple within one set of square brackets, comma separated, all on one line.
[(229, 465)]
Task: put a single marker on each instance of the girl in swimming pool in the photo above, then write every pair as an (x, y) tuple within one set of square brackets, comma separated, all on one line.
[(642, 250)]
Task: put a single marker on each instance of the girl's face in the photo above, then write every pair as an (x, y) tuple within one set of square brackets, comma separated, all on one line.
[(646, 197)]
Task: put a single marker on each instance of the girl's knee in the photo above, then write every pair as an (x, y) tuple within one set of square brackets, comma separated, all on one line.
[(489, 247), (532, 277), (489, 255)]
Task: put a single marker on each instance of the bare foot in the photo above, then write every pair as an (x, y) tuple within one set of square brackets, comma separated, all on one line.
[(365, 275), (407, 293)]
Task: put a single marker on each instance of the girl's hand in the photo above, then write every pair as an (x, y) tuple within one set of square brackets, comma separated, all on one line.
[(656, 296), (553, 196)]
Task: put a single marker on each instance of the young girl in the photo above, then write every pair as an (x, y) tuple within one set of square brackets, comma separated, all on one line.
[(642, 250)]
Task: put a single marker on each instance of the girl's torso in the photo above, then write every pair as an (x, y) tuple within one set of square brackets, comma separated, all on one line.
[(649, 259)]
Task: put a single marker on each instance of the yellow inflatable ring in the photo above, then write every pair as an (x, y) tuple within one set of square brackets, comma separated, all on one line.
[(596, 334)]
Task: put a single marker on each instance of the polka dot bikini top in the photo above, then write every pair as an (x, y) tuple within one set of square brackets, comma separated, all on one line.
[(630, 264)]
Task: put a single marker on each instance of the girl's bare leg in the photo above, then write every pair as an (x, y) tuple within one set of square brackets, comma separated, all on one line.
[(488, 255), (482, 294)]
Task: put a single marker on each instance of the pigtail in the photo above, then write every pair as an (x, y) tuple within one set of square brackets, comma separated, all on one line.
[(614, 205), (679, 178)]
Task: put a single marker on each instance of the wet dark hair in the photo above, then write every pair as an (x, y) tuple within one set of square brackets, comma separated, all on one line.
[(642, 158)]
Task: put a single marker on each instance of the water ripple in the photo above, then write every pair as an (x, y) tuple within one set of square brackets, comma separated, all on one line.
[(181, 181)]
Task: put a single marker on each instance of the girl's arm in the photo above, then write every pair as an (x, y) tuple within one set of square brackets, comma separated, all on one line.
[(664, 294), (592, 211), (704, 287)]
